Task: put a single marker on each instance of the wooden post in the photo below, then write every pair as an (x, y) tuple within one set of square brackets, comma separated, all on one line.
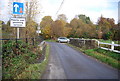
[(33, 41), (84, 41), (112, 46), (98, 44)]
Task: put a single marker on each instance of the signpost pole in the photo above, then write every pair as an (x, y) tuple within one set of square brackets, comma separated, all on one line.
[(18, 33), (17, 36), (18, 10)]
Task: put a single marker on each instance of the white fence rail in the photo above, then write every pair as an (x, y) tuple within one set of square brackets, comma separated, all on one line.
[(111, 44), (42, 45)]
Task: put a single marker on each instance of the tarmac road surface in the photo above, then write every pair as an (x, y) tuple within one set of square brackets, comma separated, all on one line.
[(67, 63)]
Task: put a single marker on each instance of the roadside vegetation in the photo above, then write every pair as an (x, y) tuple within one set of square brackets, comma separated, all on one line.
[(36, 70), (49, 40), (25, 55), (108, 57), (20, 59)]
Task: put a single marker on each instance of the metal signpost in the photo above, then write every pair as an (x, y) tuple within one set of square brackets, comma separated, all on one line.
[(18, 9), (18, 21)]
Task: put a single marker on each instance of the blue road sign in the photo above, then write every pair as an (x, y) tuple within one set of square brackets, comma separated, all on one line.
[(18, 8)]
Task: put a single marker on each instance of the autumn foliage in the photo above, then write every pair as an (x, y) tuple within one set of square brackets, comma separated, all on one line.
[(80, 27)]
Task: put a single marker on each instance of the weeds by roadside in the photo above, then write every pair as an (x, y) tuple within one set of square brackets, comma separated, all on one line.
[(35, 71), (103, 58), (50, 40), (17, 60)]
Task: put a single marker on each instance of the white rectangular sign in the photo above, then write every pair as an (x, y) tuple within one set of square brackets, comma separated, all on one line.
[(17, 22), (38, 31)]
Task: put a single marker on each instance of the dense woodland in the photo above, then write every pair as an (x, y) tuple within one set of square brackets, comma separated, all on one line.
[(79, 27)]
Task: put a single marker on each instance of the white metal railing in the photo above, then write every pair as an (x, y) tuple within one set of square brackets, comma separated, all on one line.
[(111, 44), (42, 44)]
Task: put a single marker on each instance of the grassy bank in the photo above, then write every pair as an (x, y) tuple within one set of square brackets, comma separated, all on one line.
[(35, 71), (108, 57), (50, 40), (20, 61)]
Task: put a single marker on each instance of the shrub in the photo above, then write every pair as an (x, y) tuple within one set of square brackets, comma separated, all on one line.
[(16, 59)]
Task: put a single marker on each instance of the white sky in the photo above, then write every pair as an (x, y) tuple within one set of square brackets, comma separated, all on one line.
[(92, 8)]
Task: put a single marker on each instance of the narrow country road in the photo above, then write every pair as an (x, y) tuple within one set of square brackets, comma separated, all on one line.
[(67, 63)]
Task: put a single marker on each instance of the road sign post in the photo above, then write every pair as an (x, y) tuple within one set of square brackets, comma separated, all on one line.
[(18, 33), (18, 8), (18, 21)]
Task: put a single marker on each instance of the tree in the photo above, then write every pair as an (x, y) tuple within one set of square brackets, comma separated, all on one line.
[(54, 29), (105, 25), (47, 31), (116, 31), (85, 19), (62, 17), (1, 24), (74, 23), (30, 30), (67, 30), (45, 25), (81, 27), (7, 31), (31, 11), (58, 28), (46, 21), (111, 21)]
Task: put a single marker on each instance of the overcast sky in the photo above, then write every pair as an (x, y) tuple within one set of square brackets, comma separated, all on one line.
[(92, 8)]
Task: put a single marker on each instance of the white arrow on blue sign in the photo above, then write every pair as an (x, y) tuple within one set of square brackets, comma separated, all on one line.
[(18, 8)]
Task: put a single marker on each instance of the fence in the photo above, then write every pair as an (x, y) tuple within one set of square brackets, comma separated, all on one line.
[(111, 46), (92, 43), (27, 40)]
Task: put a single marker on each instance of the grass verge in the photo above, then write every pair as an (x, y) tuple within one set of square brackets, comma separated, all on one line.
[(104, 56), (48, 40), (35, 71)]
